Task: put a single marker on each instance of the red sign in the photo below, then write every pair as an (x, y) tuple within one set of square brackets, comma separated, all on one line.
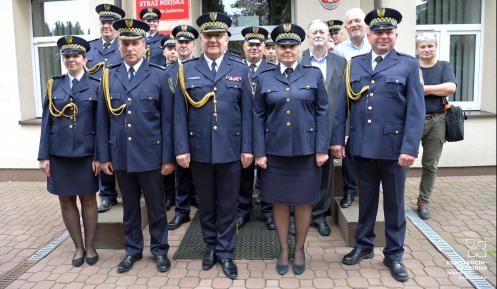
[(169, 9), (329, 4)]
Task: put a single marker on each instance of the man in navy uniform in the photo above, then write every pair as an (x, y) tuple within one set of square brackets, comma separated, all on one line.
[(135, 140), (335, 29), (104, 52), (383, 94), (185, 36), (213, 129), (151, 16), (332, 67), (253, 48)]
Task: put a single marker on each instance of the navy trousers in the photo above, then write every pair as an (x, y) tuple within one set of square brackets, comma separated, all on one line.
[(217, 188), (349, 171), (132, 185), (392, 176), (107, 187), (185, 191), (322, 207), (170, 187), (246, 192)]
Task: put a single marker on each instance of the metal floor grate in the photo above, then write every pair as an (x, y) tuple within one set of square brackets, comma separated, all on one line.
[(455, 259), (20, 269)]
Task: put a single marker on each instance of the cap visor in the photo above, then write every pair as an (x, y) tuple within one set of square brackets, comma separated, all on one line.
[(288, 42)]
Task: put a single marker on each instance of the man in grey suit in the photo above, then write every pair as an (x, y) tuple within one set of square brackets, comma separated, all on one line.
[(332, 66)]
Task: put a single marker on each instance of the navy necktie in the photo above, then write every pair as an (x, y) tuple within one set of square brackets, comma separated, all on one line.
[(74, 83), (106, 45), (378, 59), (131, 75), (288, 72), (252, 70), (213, 70)]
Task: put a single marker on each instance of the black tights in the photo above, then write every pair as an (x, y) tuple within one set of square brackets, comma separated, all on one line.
[(70, 215), (302, 217)]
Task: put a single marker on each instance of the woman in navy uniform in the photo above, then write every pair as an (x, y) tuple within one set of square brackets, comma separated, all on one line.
[(67, 151), (290, 140), (151, 16)]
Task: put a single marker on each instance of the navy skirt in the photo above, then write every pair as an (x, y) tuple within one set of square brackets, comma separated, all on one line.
[(291, 180), (71, 176)]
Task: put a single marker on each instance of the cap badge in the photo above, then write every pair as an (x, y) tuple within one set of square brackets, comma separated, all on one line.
[(150, 10), (68, 39), (129, 23), (255, 29), (213, 16), (107, 7), (380, 12), (184, 27), (287, 27)]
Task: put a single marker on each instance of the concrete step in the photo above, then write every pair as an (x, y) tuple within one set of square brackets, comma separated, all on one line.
[(346, 220), (110, 228)]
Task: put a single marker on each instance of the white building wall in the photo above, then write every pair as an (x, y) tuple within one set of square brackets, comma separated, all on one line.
[(19, 144)]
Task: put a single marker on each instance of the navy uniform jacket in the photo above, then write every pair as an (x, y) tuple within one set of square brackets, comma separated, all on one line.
[(388, 120), (156, 55), (97, 54), (61, 136), (196, 130), (291, 117), (141, 138)]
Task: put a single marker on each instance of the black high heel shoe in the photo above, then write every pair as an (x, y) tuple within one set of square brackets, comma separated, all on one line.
[(281, 269), (92, 260), (79, 261), (298, 269)]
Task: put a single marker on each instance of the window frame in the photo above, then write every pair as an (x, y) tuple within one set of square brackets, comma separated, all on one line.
[(444, 32), (236, 32)]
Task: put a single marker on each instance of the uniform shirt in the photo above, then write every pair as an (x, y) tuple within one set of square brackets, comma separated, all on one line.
[(103, 42), (439, 73), (77, 77), (373, 58), (256, 64), (319, 63), (388, 119), (218, 62), (66, 137), (348, 50), (135, 67), (291, 115)]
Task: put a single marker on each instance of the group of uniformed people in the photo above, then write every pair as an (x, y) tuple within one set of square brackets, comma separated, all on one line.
[(125, 110)]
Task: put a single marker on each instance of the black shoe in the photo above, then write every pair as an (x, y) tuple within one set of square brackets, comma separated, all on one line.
[(178, 221), (423, 212), (397, 269), (92, 260), (79, 261), (229, 268), (323, 228), (105, 205), (357, 255), (298, 269), (291, 227), (209, 260), (163, 263), (347, 200), (270, 224), (169, 204), (240, 221), (281, 269), (127, 263)]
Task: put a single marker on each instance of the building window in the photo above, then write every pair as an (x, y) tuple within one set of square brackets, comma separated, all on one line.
[(51, 19), (264, 13), (458, 27)]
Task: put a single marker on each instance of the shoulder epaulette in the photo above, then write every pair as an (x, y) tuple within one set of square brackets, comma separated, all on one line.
[(405, 54), (94, 40), (157, 66), (191, 59), (239, 60), (94, 78), (113, 65), (58, 76), (309, 66)]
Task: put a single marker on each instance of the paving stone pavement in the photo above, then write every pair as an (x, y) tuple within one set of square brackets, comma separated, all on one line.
[(30, 218)]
